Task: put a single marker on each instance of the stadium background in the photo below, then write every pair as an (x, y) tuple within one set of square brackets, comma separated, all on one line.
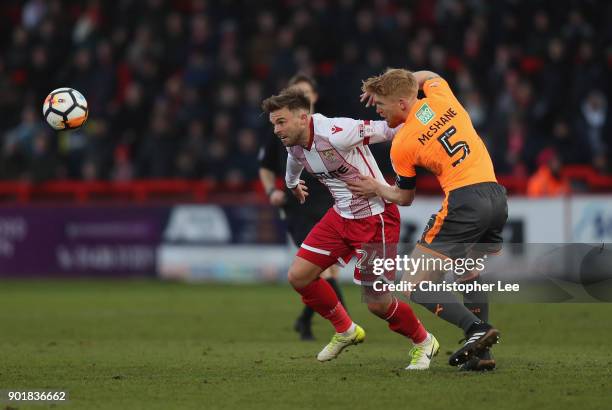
[(165, 169), (162, 181)]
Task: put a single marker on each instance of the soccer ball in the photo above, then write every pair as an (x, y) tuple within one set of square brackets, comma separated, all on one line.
[(65, 109)]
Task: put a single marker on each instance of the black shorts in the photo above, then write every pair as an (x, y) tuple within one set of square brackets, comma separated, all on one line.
[(301, 219), (471, 219)]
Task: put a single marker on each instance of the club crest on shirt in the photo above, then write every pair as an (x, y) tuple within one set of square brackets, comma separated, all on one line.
[(425, 114), (328, 154)]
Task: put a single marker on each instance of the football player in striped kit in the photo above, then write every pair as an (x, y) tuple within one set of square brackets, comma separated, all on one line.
[(335, 151)]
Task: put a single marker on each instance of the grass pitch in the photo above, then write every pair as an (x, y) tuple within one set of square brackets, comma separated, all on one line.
[(152, 345)]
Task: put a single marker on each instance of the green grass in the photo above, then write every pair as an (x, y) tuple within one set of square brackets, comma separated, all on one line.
[(151, 345)]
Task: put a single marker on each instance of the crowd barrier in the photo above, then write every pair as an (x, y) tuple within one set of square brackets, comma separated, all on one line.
[(142, 191)]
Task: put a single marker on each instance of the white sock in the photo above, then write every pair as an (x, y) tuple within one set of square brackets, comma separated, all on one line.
[(350, 330), (427, 340)]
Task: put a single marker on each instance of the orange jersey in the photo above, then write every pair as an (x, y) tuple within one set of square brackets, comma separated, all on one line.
[(438, 135)]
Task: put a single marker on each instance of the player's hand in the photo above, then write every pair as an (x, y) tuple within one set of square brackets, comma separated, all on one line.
[(300, 191), (368, 98), (278, 198), (365, 186)]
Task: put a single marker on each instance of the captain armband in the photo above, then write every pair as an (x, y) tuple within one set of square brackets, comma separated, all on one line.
[(405, 182)]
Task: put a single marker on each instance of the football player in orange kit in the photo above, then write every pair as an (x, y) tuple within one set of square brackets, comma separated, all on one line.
[(438, 135)]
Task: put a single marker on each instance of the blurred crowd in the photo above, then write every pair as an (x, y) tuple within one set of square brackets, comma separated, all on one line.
[(174, 87)]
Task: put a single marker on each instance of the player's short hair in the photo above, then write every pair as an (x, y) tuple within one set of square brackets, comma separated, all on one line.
[(291, 98), (303, 78), (393, 82)]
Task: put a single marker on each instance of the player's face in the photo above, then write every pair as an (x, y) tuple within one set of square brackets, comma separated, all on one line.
[(391, 109), (289, 126)]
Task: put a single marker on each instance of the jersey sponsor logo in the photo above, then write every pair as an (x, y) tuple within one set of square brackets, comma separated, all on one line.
[(328, 154), (425, 114), (435, 127), (365, 130), (335, 129), (331, 174)]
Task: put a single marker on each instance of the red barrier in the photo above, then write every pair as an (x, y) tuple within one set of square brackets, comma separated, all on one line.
[(203, 191), (81, 191)]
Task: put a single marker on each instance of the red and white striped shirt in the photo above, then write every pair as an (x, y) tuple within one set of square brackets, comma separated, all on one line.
[(338, 152)]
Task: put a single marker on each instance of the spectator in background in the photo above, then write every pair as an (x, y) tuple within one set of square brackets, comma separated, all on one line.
[(130, 118), (243, 160), (13, 162), (547, 181), (122, 168), (594, 126), (98, 150), (570, 148), (158, 150), (207, 59), (23, 134), (191, 161), (43, 163)]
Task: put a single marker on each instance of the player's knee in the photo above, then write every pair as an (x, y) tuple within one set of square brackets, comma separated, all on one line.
[(294, 277), (298, 278), (380, 309), (302, 272)]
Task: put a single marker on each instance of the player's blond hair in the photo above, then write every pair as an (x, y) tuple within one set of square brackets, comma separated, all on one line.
[(393, 82)]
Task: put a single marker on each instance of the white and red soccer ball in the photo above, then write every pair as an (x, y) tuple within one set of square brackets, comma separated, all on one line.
[(65, 109)]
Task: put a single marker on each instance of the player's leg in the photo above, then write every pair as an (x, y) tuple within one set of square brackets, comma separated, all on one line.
[(447, 235), (303, 324), (314, 214), (490, 243), (299, 225), (331, 276), (444, 304), (318, 294), (320, 250), (476, 301), (399, 315), (382, 232), (403, 321), (494, 213)]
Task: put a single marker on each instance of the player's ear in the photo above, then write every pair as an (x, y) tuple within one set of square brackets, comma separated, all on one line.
[(403, 104), (304, 118)]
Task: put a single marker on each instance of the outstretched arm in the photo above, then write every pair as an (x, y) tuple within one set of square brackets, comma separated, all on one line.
[(422, 76), (349, 133), (368, 187)]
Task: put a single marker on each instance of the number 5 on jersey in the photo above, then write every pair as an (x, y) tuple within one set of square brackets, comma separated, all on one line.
[(450, 148)]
